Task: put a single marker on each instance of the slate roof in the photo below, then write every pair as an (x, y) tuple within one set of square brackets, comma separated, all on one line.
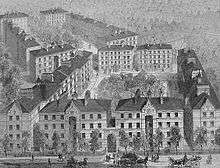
[(14, 15), (52, 50), (53, 11), (121, 35), (168, 104), (116, 48), (93, 105), (154, 46)]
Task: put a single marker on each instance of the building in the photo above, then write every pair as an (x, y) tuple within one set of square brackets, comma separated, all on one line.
[(156, 58), (18, 19), (54, 17), (46, 60), (115, 58), (16, 119)]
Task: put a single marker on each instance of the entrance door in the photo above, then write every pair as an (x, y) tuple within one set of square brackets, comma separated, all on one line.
[(111, 143)]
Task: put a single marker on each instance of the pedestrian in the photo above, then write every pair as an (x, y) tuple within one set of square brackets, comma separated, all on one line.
[(49, 163), (32, 157)]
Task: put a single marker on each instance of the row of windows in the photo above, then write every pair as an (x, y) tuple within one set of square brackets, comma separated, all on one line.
[(154, 51), (168, 124), (84, 135), (115, 57), (154, 61), (62, 135), (115, 62), (17, 127), (45, 64), (156, 66), (118, 67), (155, 57), (111, 53), (212, 123), (91, 125), (16, 117), (211, 114), (18, 136), (160, 115), (91, 116), (54, 126), (54, 117), (130, 115), (130, 125)]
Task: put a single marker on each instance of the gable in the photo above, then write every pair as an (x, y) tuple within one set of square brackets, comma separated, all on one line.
[(72, 110), (208, 106), (15, 110), (148, 108)]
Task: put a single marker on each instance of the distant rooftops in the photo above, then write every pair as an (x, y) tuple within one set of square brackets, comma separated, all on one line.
[(52, 50), (154, 46), (116, 48), (53, 11), (118, 34), (14, 15)]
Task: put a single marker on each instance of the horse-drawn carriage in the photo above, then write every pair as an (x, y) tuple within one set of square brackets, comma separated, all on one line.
[(192, 162)]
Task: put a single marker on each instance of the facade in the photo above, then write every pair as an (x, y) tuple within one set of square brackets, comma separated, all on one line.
[(157, 57), (115, 58), (16, 119), (47, 60), (54, 17)]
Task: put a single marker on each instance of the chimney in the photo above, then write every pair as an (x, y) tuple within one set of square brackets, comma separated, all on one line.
[(58, 102)]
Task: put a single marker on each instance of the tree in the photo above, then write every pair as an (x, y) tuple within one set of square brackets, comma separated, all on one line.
[(74, 139), (124, 140), (25, 144), (175, 136), (5, 143), (158, 139), (136, 143), (39, 138), (217, 136), (94, 145), (201, 137), (56, 141), (211, 74), (10, 77)]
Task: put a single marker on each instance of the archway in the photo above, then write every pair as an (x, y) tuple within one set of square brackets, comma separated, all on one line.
[(111, 143)]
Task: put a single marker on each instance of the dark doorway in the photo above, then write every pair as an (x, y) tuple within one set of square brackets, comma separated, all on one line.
[(111, 143)]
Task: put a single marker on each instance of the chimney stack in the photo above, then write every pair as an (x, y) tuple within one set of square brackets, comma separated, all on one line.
[(58, 102)]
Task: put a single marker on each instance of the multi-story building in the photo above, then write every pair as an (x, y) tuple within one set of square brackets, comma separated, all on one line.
[(54, 17), (156, 57), (16, 119), (18, 19), (47, 60), (115, 58)]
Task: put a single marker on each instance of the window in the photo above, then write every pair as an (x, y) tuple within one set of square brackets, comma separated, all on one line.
[(83, 126), (130, 134), (177, 124), (17, 127), (91, 126), (83, 116), (168, 114), (17, 118), (176, 114), (46, 135), (159, 124), (168, 124), (11, 145), (138, 125), (204, 123), (168, 134), (91, 116), (204, 114), (138, 134), (212, 123), (62, 126), (212, 132), (122, 115), (99, 125), (11, 136), (54, 126), (138, 115), (53, 117), (129, 125), (100, 135), (83, 135), (99, 116), (62, 135), (46, 126), (18, 145), (130, 115), (18, 136), (10, 118), (45, 117), (122, 125), (10, 127), (212, 114), (159, 115), (62, 117)]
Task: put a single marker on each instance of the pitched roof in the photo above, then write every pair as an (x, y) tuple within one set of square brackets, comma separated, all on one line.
[(56, 106), (14, 15), (168, 104), (154, 46), (121, 35), (116, 48), (93, 105), (52, 50), (53, 11)]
